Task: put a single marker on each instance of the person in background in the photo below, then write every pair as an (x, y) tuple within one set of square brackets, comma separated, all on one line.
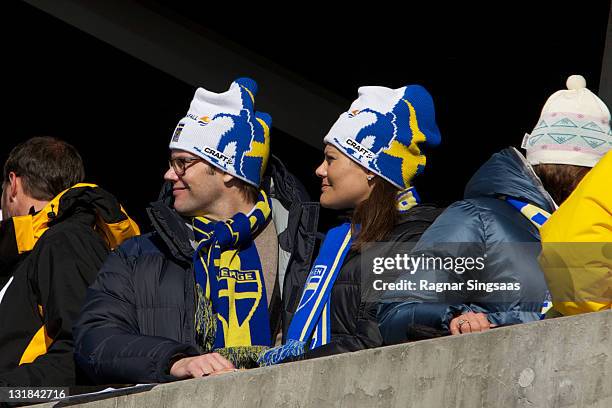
[(577, 243), (372, 154), (55, 234), (200, 294), (505, 204)]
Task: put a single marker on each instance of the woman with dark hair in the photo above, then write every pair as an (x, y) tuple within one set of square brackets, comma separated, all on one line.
[(372, 154)]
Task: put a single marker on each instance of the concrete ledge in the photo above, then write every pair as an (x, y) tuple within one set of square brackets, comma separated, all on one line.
[(565, 362)]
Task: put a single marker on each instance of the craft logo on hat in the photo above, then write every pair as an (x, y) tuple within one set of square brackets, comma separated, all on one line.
[(226, 131), (384, 130), (216, 154), (361, 151)]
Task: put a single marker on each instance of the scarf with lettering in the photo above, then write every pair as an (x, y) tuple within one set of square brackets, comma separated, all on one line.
[(312, 319), (231, 309)]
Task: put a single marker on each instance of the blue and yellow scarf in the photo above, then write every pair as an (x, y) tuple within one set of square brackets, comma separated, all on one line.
[(538, 217), (232, 311), (312, 317)]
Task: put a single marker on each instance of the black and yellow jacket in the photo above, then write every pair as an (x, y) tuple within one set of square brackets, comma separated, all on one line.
[(47, 261)]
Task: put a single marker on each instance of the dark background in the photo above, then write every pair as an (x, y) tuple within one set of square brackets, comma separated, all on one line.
[(489, 69)]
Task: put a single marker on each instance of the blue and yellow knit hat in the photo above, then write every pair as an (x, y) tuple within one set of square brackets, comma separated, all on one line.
[(226, 131), (385, 130)]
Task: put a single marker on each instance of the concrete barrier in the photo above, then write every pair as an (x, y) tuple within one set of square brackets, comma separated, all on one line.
[(564, 362)]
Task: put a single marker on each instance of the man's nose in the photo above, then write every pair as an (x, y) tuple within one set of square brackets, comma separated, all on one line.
[(170, 175)]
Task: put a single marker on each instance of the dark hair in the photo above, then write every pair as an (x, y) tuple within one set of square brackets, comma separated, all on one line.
[(46, 165), (377, 215), (249, 192), (560, 179)]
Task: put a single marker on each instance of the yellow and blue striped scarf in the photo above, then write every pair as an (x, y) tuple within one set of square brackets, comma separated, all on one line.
[(232, 311)]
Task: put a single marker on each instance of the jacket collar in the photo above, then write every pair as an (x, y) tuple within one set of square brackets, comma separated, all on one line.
[(172, 229), (507, 173), (82, 203)]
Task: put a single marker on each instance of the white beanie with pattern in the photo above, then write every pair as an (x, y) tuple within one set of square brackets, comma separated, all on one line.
[(574, 128)]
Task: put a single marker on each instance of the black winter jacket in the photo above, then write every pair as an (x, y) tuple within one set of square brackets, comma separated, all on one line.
[(42, 290), (354, 325), (139, 313)]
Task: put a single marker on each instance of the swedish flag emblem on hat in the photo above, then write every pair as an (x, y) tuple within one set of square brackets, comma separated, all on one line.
[(226, 131), (386, 130)]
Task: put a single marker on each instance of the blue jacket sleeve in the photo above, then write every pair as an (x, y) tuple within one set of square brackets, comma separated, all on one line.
[(403, 321), (424, 313), (109, 347)]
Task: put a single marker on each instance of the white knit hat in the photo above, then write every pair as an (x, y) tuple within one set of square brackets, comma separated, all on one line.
[(226, 131), (385, 129), (574, 128)]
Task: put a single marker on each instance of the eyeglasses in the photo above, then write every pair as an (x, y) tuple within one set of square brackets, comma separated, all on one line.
[(181, 164)]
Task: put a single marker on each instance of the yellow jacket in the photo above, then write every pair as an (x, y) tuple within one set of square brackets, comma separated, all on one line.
[(577, 245)]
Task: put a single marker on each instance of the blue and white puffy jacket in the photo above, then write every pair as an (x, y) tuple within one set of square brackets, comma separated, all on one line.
[(482, 224)]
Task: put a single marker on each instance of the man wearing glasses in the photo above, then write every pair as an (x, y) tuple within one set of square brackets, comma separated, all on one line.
[(202, 293)]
